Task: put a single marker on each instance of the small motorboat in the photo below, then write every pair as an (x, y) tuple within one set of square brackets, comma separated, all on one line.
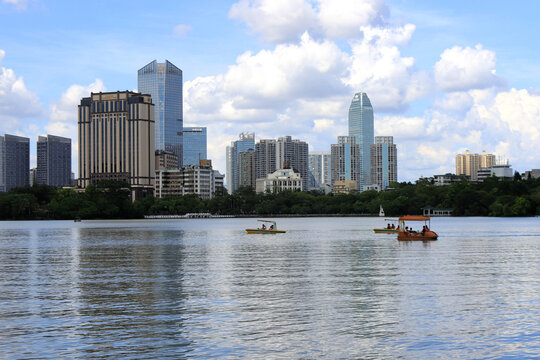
[(406, 234), (388, 230), (272, 229)]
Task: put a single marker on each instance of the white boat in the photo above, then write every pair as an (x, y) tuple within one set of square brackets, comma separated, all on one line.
[(381, 211)]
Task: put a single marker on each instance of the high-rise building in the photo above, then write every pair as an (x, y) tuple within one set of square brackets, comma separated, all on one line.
[(194, 145), (14, 162), (468, 164), (293, 154), (362, 128), (320, 170), (116, 140), (246, 169), (344, 160), (245, 142), (383, 161), (53, 160), (163, 81), (265, 158)]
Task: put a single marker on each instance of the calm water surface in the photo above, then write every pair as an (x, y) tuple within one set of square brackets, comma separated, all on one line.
[(328, 288)]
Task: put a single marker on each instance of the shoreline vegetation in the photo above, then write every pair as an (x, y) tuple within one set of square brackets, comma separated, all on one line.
[(111, 200)]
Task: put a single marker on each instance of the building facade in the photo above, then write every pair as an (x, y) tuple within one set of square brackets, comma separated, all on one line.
[(320, 170), (293, 153), (361, 126), (246, 169), (195, 145), (280, 180), (468, 164), (265, 158), (166, 160), (245, 142), (383, 161), (163, 81), (116, 140), (53, 161), (199, 180), (345, 186), (345, 160), (14, 162)]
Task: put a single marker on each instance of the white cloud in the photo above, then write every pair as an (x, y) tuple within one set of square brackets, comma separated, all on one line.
[(466, 68), (343, 18), (390, 80), (63, 114), (281, 21), (63, 118), (260, 86), (182, 30), (275, 20), (19, 4), (455, 102), (501, 122), (17, 103)]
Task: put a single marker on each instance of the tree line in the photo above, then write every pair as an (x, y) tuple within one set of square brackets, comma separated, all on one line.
[(111, 200)]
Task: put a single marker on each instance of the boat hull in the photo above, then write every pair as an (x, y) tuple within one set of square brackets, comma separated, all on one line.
[(386, 231), (410, 236), (261, 231)]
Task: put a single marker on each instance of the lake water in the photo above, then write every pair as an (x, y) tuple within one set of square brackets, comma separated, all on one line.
[(329, 288)]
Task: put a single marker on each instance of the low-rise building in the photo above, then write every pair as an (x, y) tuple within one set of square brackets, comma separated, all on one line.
[(199, 179), (345, 186), (280, 180), (532, 174), (448, 178)]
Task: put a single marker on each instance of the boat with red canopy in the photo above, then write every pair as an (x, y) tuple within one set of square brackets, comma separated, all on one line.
[(405, 233)]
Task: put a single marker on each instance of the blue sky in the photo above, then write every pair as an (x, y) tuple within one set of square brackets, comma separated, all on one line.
[(443, 76)]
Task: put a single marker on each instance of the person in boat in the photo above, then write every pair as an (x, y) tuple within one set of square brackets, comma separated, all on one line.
[(393, 226), (263, 227), (388, 226), (424, 230), (271, 227)]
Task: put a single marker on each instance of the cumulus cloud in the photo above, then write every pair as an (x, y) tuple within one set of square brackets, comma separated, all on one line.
[(261, 85), (343, 18), (63, 119), (466, 68), (275, 20), (16, 101), (279, 21), (63, 113), (182, 30), (377, 68), (501, 122)]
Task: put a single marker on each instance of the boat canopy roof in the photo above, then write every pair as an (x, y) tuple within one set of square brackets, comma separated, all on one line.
[(272, 221), (414, 218)]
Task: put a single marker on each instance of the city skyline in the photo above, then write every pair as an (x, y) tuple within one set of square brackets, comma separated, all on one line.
[(295, 80)]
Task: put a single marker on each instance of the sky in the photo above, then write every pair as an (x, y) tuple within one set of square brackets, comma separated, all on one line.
[(443, 77)]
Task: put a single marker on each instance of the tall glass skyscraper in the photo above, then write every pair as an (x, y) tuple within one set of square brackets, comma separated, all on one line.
[(194, 145), (245, 143), (163, 81), (14, 162), (362, 128), (53, 160)]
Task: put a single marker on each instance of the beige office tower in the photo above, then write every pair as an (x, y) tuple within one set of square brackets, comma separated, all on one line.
[(383, 161), (117, 140), (468, 164)]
